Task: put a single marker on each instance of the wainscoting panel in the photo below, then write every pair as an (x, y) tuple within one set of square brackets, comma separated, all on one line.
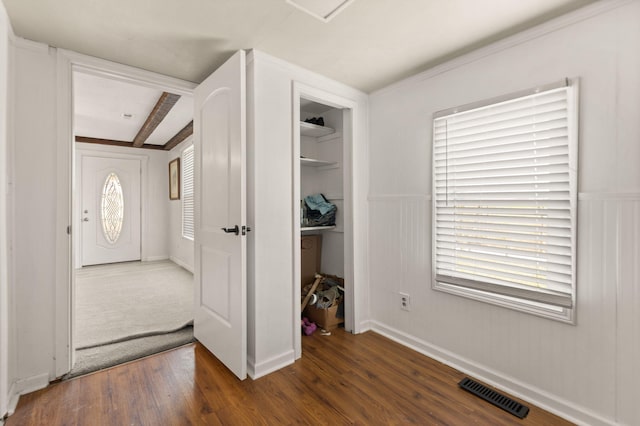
[(628, 304), (587, 370)]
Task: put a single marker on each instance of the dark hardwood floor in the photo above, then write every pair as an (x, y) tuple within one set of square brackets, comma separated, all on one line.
[(341, 379)]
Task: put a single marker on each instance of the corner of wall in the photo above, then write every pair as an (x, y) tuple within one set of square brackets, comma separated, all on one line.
[(6, 35), (542, 399), (255, 371)]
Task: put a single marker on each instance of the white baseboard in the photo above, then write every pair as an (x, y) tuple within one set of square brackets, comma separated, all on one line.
[(24, 386), (269, 366), (365, 326), (181, 263), (154, 258), (13, 398), (538, 397)]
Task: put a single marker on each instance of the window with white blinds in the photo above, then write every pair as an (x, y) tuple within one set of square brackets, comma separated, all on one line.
[(187, 193), (505, 199)]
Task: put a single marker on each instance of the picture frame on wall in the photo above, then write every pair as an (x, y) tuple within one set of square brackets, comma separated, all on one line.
[(174, 179)]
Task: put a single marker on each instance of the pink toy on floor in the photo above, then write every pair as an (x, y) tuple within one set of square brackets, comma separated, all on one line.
[(308, 327)]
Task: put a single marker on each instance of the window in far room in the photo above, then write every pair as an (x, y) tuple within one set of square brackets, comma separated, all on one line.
[(187, 193), (505, 191)]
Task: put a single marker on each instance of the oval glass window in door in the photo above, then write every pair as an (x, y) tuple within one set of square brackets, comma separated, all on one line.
[(112, 208)]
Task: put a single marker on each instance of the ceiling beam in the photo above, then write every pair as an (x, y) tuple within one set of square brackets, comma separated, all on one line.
[(112, 142), (159, 112), (180, 136)]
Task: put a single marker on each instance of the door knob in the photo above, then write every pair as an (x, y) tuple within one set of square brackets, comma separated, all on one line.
[(86, 219), (234, 230)]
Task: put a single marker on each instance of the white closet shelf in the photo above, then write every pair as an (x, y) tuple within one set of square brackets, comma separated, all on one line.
[(313, 130), (312, 162), (316, 228)]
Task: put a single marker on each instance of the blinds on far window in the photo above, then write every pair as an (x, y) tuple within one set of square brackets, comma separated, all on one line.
[(187, 193), (504, 191)]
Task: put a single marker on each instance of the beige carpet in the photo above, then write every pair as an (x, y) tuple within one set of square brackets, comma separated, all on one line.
[(130, 300), (105, 356)]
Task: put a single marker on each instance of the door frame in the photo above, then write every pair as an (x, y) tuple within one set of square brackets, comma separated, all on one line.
[(66, 63), (350, 112)]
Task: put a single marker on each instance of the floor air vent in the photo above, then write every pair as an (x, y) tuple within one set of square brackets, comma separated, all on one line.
[(494, 397)]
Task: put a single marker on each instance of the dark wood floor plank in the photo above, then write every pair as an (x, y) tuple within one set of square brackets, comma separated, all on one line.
[(341, 379)]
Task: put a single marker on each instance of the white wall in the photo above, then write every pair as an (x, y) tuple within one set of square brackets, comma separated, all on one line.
[(181, 249), (34, 213), (271, 201), (35, 162), (154, 193), (585, 372), (5, 34)]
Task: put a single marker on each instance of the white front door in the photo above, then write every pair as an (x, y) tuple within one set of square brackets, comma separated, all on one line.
[(110, 212), (220, 321)]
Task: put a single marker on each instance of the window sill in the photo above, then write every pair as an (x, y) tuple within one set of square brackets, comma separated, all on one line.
[(566, 315)]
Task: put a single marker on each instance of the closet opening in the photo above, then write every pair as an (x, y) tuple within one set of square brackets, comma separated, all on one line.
[(323, 232)]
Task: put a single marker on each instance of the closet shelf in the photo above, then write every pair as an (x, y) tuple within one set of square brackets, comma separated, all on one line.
[(316, 228), (313, 130), (312, 162)]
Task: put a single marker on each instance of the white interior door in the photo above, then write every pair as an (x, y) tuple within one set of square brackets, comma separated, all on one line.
[(110, 210), (220, 321)]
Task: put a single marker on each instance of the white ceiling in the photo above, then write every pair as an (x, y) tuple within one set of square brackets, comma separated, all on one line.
[(368, 45), (100, 106)]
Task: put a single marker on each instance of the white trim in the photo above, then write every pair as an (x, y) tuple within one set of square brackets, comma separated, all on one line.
[(539, 397), (34, 46), (25, 386), (543, 29), (13, 398), (5, 194), (63, 352), (366, 325), (119, 72), (609, 196), (182, 264), (389, 197), (255, 371), (156, 258), (67, 63), (566, 315)]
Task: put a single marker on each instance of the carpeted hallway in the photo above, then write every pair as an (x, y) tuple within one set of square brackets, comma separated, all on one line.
[(128, 310)]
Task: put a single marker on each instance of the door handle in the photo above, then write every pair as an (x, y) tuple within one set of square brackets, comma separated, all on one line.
[(86, 219), (234, 230)]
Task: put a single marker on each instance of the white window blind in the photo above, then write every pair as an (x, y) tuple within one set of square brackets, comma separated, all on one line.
[(504, 197), (187, 193)]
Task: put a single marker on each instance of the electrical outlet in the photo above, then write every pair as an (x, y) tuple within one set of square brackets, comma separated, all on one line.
[(405, 302)]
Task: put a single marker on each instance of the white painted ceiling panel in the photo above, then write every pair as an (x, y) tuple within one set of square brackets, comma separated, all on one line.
[(100, 103), (324, 10), (181, 114), (369, 44)]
